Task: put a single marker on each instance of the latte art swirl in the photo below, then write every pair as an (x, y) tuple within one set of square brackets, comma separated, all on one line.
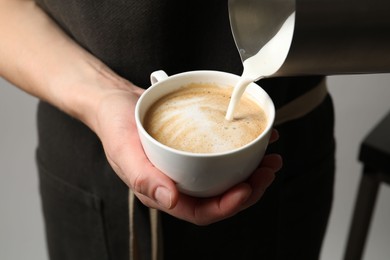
[(192, 119)]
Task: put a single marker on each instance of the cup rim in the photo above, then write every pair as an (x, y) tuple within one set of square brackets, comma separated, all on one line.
[(140, 127)]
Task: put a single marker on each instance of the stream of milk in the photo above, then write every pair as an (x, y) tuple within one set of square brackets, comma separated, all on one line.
[(264, 63)]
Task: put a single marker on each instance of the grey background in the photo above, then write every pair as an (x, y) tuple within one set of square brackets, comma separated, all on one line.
[(360, 101)]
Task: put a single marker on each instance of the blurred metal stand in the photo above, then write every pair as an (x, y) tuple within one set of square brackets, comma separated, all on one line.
[(375, 156)]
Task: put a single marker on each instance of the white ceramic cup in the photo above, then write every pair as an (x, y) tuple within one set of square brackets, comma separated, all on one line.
[(203, 175)]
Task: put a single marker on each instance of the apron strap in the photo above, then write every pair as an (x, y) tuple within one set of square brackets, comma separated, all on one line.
[(155, 230), (302, 105)]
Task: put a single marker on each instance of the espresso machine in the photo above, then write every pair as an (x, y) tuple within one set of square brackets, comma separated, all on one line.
[(331, 37)]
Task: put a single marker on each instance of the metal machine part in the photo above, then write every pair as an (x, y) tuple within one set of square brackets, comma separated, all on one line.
[(331, 37)]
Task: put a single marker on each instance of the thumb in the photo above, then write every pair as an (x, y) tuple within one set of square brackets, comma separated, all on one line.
[(149, 184)]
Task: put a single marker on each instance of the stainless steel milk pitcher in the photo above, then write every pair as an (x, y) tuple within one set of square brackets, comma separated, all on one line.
[(330, 36)]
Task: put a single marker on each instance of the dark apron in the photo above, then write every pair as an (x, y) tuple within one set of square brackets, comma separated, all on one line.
[(85, 204)]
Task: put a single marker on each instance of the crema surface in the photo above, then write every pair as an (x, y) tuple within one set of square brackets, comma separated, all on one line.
[(192, 119)]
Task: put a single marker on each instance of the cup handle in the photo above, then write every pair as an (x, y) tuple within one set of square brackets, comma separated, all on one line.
[(157, 76)]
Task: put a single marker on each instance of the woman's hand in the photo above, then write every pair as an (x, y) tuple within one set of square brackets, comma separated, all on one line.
[(117, 130)]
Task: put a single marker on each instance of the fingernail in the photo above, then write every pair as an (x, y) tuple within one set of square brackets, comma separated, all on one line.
[(163, 197)]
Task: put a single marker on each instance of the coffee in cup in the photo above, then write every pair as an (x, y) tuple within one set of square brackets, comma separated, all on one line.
[(192, 119)]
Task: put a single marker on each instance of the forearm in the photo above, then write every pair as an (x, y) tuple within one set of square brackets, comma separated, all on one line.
[(37, 56)]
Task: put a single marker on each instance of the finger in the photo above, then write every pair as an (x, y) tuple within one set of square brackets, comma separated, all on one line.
[(272, 161), (147, 180), (262, 178), (222, 207), (274, 136), (204, 211)]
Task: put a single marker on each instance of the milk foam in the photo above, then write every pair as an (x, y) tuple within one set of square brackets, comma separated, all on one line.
[(193, 120)]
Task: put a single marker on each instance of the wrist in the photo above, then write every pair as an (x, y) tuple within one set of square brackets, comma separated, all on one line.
[(83, 94)]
